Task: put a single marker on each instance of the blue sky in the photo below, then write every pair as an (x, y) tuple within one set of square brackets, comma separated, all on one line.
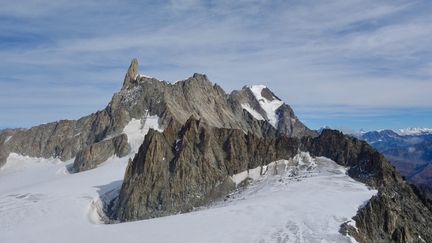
[(342, 63)]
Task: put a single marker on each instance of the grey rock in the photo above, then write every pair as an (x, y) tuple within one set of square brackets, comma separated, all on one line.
[(65, 138), (178, 170), (425, 194), (93, 155), (5, 137), (131, 75)]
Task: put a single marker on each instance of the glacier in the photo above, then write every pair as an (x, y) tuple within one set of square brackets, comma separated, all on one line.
[(307, 202)]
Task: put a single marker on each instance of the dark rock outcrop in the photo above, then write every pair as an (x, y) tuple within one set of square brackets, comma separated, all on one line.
[(65, 138), (131, 75), (93, 155), (176, 171), (5, 137), (425, 194), (366, 164)]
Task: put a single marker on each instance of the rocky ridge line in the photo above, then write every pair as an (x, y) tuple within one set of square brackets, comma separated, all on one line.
[(141, 96)]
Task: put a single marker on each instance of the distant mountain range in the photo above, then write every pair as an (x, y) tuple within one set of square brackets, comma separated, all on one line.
[(410, 150)]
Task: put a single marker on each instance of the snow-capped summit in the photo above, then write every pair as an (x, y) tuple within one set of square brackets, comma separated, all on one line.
[(268, 102)]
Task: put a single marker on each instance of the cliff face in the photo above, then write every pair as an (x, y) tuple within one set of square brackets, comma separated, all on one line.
[(97, 153), (63, 139), (176, 171)]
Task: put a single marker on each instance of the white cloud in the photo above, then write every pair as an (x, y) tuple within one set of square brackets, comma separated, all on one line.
[(373, 54)]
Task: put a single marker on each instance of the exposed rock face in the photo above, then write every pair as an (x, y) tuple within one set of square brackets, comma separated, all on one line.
[(366, 164), (131, 75), (141, 96), (393, 216), (425, 194), (5, 137), (91, 156), (64, 139), (175, 171)]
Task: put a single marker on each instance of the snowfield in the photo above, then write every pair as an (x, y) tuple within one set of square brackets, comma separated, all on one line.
[(301, 200)]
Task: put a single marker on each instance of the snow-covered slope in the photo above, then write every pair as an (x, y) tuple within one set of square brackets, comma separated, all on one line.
[(269, 106), (136, 130), (41, 202), (253, 112)]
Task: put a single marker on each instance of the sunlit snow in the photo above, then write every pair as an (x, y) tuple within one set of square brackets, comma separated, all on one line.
[(41, 202), (268, 106), (253, 112), (136, 130)]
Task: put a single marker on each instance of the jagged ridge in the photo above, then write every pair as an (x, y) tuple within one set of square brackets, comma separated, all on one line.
[(178, 170), (141, 96)]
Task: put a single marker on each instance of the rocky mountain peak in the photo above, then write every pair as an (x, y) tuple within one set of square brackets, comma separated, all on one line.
[(256, 110), (262, 91), (200, 76), (131, 74), (193, 138)]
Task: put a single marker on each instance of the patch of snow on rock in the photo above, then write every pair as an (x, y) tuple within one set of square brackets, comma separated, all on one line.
[(7, 139), (145, 76), (302, 161), (136, 130), (268, 106), (253, 112)]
